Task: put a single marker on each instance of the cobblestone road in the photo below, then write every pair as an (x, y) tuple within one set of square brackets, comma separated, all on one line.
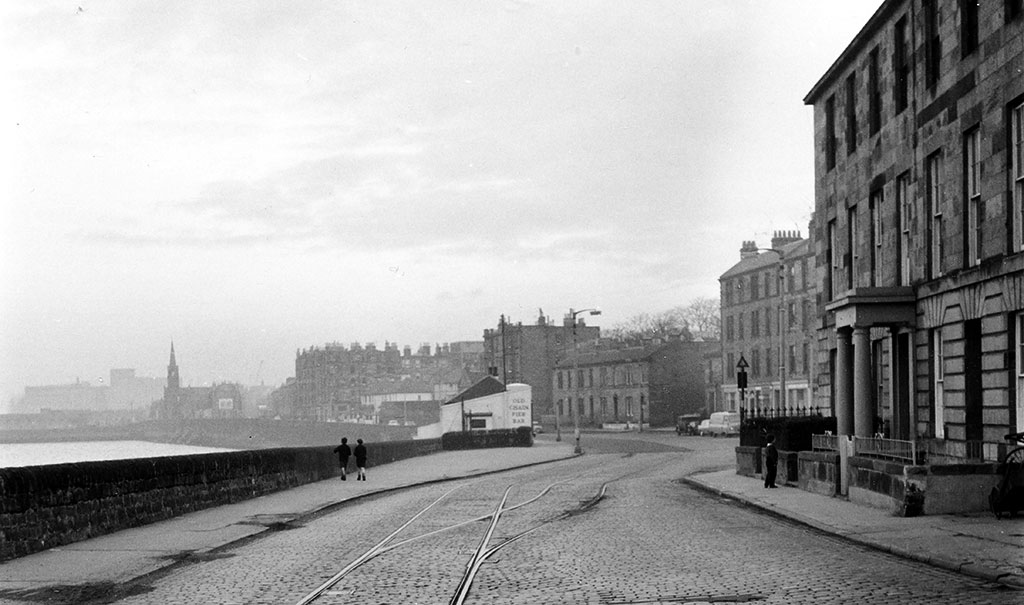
[(650, 539)]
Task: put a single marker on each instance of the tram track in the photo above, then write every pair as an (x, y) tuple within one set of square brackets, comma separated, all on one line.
[(482, 552)]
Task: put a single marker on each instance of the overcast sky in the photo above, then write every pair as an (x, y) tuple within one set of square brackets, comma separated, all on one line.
[(248, 179)]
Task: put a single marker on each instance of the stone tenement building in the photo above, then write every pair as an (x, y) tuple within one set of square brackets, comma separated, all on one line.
[(919, 213), (331, 380), (517, 353), (768, 316), (652, 384)]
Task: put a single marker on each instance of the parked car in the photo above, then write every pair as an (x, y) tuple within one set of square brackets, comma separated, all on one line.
[(720, 423), (537, 428), (687, 424)]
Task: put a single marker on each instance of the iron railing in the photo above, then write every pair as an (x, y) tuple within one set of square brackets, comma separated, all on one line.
[(888, 449), (942, 450), (785, 412), (825, 443), (927, 451)]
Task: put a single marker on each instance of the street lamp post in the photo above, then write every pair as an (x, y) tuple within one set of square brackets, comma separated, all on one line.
[(576, 372), (783, 327)]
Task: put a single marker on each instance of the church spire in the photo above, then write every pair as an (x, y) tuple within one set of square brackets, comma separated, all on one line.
[(173, 381)]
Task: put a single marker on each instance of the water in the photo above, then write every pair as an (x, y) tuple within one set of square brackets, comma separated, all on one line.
[(33, 454)]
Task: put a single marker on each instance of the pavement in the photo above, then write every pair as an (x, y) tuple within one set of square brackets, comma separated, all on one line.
[(977, 545), (131, 554)]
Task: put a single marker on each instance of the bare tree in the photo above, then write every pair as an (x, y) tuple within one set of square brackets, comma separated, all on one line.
[(697, 320), (646, 325), (703, 316)]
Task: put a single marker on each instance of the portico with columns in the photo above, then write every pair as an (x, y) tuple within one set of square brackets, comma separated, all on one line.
[(864, 316)]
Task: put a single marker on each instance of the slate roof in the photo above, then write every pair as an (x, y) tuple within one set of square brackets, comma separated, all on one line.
[(767, 258), (488, 385)]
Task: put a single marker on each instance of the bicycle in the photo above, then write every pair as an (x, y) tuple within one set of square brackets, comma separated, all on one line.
[(1008, 496)]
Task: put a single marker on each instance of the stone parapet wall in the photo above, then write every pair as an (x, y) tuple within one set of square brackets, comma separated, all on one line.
[(46, 506), (936, 489), (748, 460), (818, 472)]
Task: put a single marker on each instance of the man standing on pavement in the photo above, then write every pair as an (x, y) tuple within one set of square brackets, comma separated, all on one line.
[(343, 451), (771, 462), (361, 460)]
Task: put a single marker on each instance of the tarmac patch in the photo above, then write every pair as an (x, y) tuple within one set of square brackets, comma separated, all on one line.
[(99, 593)]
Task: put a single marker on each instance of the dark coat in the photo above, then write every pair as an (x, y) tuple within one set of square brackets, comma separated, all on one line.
[(343, 451), (771, 455), (360, 455)]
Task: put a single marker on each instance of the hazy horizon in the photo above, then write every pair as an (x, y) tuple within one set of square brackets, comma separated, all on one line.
[(249, 180)]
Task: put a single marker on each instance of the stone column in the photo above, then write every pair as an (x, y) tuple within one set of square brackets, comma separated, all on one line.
[(863, 400), (844, 383)]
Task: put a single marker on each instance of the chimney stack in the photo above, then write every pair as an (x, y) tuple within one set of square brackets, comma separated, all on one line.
[(783, 238), (748, 250)]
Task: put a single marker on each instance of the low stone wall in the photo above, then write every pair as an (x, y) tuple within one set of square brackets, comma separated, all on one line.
[(789, 468), (907, 490), (748, 460), (959, 488), (887, 485), (231, 433), (46, 506), (818, 472)]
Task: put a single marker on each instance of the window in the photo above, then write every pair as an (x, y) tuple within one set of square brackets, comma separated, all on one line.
[(791, 312), (805, 312), (877, 262), (968, 27), (792, 358), (972, 191), (905, 207), (560, 380), (900, 64), (755, 323), (830, 133), (938, 380), (590, 378), (832, 258), (755, 362), (806, 354), (727, 292), (739, 327), (1012, 9), (851, 114), (755, 287), (874, 94), (851, 246), (932, 42), (1017, 174), (935, 204), (729, 331), (768, 368), (1019, 333), (768, 321)]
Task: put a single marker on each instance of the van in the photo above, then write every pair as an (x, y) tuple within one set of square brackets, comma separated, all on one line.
[(721, 423)]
